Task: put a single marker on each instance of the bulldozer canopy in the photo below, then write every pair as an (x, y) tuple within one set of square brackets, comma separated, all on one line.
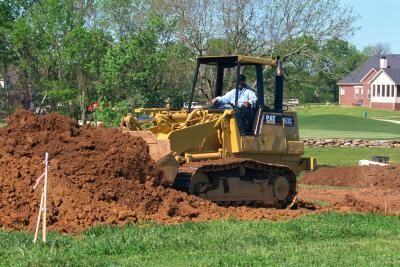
[(232, 60)]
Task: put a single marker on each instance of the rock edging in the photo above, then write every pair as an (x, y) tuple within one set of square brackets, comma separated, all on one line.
[(321, 142)]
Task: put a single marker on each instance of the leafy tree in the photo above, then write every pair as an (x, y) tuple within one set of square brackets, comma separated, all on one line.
[(83, 55), (175, 74), (311, 75), (10, 12), (37, 40), (338, 60), (71, 53), (110, 115), (131, 67)]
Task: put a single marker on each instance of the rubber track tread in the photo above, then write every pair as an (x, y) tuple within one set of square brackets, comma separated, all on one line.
[(219, 165)]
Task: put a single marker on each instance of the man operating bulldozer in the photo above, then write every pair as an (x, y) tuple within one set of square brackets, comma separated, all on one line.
[(246, 97), (246, 101), (248, 152)]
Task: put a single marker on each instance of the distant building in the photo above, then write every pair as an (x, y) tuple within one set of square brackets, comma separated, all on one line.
[(375, 84)]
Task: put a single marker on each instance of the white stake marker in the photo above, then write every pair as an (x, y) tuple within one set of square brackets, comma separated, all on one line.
[(44, 230), (43, 202)]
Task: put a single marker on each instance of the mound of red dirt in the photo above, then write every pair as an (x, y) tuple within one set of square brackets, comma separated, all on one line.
[(96, 176), (352, 203), (357, 176), (357, 189)]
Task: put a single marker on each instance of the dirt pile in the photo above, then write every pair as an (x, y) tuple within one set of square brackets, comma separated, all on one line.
[(351, 203), (359, 188), (91, 172), (97, 176), (357, 176)]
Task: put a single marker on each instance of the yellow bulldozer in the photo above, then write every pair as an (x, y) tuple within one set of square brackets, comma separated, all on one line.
[(207, 152)]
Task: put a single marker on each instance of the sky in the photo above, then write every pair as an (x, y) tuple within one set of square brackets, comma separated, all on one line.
[(379, 21)]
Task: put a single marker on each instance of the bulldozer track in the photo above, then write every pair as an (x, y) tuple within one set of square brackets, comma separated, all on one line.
[(248, 170)]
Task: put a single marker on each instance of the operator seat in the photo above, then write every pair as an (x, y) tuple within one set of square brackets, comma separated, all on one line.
[(245, 119)]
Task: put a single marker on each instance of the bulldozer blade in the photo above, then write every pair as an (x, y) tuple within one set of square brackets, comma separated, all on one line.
[(161, 153), (169, 166)]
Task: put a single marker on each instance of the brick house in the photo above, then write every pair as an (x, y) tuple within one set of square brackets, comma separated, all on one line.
[(375, 84)]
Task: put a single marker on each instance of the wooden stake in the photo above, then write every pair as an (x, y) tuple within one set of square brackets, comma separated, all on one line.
[(44, 222), (38, 219), (385, 207), (43, 203)]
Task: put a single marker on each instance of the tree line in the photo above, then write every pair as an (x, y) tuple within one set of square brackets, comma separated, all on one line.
[(67, 54)]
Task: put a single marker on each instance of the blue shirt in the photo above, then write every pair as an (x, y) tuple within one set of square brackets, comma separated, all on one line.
[(245, 95)]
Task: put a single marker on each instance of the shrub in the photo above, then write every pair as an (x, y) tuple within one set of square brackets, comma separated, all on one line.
[(111, 114)]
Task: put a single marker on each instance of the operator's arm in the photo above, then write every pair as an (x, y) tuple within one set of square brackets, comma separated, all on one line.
[(228, 98)]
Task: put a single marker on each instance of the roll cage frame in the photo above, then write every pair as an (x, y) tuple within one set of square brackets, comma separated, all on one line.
[(222, 62)]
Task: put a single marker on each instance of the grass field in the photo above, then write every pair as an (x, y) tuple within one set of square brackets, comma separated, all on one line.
[(346, 122), (328, 240), (348, 156)]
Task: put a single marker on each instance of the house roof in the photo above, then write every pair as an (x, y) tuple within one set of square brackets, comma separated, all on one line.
[(393, 73), (367, 74), (372, 62)]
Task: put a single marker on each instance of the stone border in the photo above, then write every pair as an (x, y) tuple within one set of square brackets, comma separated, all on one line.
[(320, 142)]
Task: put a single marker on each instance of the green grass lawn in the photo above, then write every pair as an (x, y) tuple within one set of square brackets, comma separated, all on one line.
[(348, 156), (346, 122), (323, 240), (350, 111)]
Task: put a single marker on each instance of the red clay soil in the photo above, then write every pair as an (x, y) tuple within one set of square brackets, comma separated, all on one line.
[(358, 188), (97, 176), (357, 176)]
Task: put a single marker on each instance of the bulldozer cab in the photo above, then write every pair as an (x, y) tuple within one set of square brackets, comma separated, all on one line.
[(216, 75)]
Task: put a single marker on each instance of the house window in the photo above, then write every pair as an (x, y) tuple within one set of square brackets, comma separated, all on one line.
[(357, 92), (398, 90), (387, 90), (378, 92), (373, 90), (383, 90), (369, 93), (392, 90), (342, 91)]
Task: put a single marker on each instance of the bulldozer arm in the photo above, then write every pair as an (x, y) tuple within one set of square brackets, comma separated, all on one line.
[(183, 139), (163, 148)]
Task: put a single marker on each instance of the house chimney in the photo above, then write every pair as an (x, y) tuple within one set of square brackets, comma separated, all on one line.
[(383, 62)]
